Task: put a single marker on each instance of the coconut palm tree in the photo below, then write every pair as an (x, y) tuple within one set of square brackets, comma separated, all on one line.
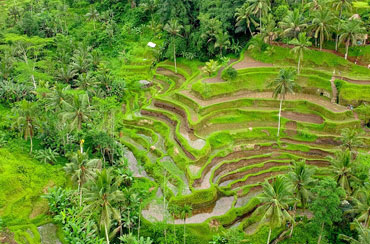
[(341, 167), (363, 235), (185, 212), (275, 200), (222, 42), (269, 31), (102, 196), (26, 118), (244, 14), (361, 200), (283, 84), (300, 177), (352, 29), (322, 25), (350, 139), (301, 45), (93, 15), (66, 74), (77, 111), (293, 23), (342, 5), (173, 27), (57, 96), (82, 169), (259, 8)]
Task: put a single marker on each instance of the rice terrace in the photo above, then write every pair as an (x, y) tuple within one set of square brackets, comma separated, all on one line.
[(174, 121)]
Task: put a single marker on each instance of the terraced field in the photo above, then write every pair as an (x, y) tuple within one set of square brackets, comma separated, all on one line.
[(215, 141)]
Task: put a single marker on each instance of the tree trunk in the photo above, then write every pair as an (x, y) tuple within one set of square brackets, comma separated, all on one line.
[(291, 231), (184, 231), (174, 56), (260, 20), (138, 228), (336, 42), (80, 190), (299, 63), (31, 144), (249, 28), (347, 45), (320, 236), (281, 103), (269, 236), (106, 232)]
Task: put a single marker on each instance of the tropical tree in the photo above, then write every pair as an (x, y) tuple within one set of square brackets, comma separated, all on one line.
[(82, 60), (211, 67), (352, 29), (362, 232), (361, 200), (185, 212), (82, 169), (57, 96), (301, 45), (102, 196), (150, 6), (350, 138), (300, 177), (293, 23), (222, 42), (77, 111), (47, 155), (275, 200), (283, 84), (342, 5), (269, 31), (322, 25), (244, 14), (26, 119), (342, 169), (259, 8), (325, 204), (93, 15), (173, 27)]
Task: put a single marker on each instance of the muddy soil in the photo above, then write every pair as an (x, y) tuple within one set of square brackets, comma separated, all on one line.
[(249, 62), (310, 118), (256, 179)]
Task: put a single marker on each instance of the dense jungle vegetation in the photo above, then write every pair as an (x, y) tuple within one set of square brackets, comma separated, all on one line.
[(175, 121)]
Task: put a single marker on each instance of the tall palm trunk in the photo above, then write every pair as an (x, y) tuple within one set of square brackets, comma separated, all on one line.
[(260, 19), (269, 236), (31, 144), (184, 231), (106, 232), (249, 28), (347, 45), (281, 103), (320, 236), (299, 63), (174, 56)]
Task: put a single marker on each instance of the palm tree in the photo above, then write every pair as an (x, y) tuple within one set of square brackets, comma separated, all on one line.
[(102, 195), (150, 6), (259, 7), (269, 32), (293, 23), (57, 96), (341, 167), (222, 42), (283, 84), (350, 139), (275, 200), (244, 14), (211, 67), (362, 205), (301, 45), (81, 168), (351, 31), (86, 81), (342, 4), (322, 24), (77, 111), (82, 60), (93, 15), (26, 113), (174, 29), (185, 212), (300, 177), (363, 235)]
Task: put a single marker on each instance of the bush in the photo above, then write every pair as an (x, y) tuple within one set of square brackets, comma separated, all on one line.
[(229, 74)]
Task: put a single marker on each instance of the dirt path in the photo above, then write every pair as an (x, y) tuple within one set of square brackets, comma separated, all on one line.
[(249, 62), (334, 90), (267, 95), (358, 82)]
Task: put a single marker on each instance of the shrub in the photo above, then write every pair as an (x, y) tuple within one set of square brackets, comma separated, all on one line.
[(229, 74)]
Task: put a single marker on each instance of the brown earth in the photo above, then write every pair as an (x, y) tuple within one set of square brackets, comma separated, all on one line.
[(310, 118)]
